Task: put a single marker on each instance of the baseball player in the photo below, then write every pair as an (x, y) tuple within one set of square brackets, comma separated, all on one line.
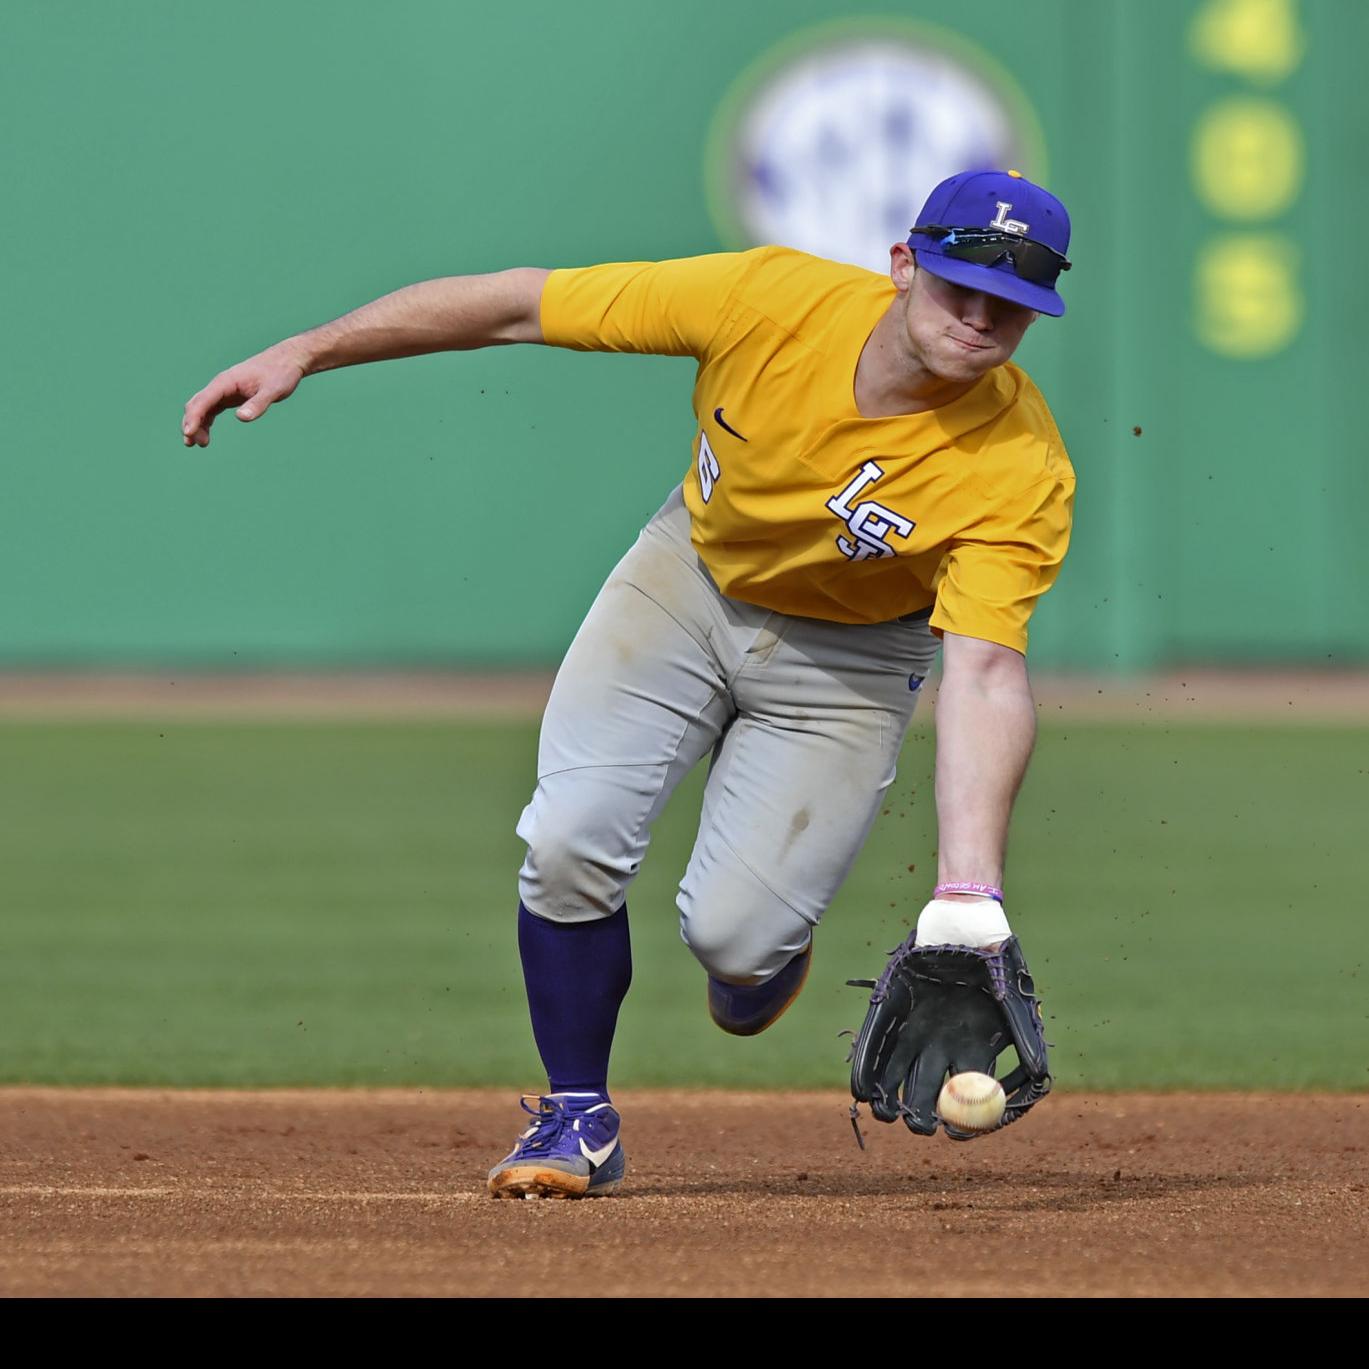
[(872, 481)]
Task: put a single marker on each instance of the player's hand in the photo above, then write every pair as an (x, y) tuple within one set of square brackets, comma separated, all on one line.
[(251, 387)]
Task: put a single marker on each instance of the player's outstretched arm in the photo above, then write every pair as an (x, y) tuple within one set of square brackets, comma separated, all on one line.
[(985, 730), (454, 313), (958, 990)]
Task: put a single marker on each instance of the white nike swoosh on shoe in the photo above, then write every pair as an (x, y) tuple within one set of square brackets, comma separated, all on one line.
[(597, 1157)]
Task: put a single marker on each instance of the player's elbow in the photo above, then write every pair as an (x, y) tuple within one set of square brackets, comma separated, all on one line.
[(519, 298), (983, 664)]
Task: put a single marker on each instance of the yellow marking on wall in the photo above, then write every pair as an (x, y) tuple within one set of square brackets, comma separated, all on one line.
[(1247, 158), (1261, 40), (1248, 303)]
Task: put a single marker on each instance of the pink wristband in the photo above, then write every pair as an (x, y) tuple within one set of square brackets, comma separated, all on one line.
[(963, 887)]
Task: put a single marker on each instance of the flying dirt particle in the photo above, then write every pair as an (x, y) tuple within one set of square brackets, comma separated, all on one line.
[(1136, 432)]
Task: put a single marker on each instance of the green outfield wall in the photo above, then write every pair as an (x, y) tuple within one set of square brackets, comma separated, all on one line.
[(184, 183)]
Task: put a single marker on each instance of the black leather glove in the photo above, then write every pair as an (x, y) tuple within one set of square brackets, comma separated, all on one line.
[(940, 1010)]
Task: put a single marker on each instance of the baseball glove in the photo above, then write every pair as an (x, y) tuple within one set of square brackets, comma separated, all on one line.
[(939, 1010)]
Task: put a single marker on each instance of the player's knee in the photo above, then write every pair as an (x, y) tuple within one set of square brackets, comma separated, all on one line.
[(568, 875), (739, 949)]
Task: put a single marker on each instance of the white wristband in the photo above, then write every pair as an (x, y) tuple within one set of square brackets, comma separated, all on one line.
[(953, 922)]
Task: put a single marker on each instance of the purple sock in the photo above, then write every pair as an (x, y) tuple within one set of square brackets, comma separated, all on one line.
[(577, 975)]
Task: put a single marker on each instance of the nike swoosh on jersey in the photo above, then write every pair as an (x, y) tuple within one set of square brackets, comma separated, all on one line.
[(597, 1157), (718, 415)]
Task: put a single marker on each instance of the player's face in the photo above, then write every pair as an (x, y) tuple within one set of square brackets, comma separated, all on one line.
[(958, 334)]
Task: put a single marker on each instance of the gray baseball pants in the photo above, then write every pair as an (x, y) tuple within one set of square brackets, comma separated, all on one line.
[(804, 720)]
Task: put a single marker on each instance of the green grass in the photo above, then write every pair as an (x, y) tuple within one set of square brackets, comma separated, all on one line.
[(251, 904)]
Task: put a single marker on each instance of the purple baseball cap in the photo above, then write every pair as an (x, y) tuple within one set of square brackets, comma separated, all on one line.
[(988, 200)]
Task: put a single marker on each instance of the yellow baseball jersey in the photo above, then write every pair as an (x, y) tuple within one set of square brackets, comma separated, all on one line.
[(800, 504)]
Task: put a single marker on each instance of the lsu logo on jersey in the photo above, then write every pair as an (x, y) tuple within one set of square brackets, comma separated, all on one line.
[(710, 472), (868, 523)]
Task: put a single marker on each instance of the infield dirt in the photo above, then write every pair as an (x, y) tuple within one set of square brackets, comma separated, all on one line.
[(132, 1192)]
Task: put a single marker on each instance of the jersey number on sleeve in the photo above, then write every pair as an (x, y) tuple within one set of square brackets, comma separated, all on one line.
[(709, 470)]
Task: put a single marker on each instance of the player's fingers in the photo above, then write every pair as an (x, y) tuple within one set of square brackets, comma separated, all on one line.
[(192, 423), (201, 408), (195, 436), (211, 399)]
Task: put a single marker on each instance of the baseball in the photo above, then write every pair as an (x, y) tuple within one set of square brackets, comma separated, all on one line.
[(971, 1102)]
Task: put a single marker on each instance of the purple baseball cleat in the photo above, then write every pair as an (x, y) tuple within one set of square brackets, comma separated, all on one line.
[(571, 1150), (748, 1009)]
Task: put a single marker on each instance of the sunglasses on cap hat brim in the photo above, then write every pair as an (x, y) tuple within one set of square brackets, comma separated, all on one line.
[(1032, 261)]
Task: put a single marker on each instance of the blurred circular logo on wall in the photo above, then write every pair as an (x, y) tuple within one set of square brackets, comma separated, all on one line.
[(831, 142)]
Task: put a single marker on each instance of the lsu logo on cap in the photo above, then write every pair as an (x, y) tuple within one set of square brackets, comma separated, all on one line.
[(1001, 219)]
